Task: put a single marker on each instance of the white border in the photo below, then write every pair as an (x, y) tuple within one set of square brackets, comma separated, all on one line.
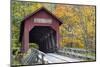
[(5, 33)]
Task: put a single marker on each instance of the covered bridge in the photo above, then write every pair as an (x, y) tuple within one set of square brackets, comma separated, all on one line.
[(42, 28)]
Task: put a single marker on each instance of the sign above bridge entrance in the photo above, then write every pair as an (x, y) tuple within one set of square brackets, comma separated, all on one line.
[(42, 20)]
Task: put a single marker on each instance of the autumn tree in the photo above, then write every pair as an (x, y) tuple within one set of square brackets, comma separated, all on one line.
[(78, 22)]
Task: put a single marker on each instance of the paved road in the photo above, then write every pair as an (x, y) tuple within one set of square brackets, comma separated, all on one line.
[(48, 58), (54, 58)]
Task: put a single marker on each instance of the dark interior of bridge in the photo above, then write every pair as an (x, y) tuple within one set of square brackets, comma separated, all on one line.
[(45, 37)]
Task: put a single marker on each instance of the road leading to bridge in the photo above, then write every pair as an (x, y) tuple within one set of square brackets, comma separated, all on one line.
[(35, 56), (55, 58)]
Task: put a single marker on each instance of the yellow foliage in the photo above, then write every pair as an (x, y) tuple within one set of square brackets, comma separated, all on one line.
[(17, 14), (75, 42), (87, 11), (62, 30), (60, 11), (75, 18), (39, 5)]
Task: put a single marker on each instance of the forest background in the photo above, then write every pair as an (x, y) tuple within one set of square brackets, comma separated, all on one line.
[(77, 30)]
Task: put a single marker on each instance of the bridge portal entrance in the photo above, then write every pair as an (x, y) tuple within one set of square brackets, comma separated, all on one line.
[(45, 37)]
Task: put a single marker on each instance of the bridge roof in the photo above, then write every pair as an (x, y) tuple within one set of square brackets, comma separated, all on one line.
[(29, 16), (42, 9)]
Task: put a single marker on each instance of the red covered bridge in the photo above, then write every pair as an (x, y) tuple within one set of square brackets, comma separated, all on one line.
[(40, 27)]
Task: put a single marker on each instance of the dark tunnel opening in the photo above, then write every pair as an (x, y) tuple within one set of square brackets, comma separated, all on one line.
[(45, 37)]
